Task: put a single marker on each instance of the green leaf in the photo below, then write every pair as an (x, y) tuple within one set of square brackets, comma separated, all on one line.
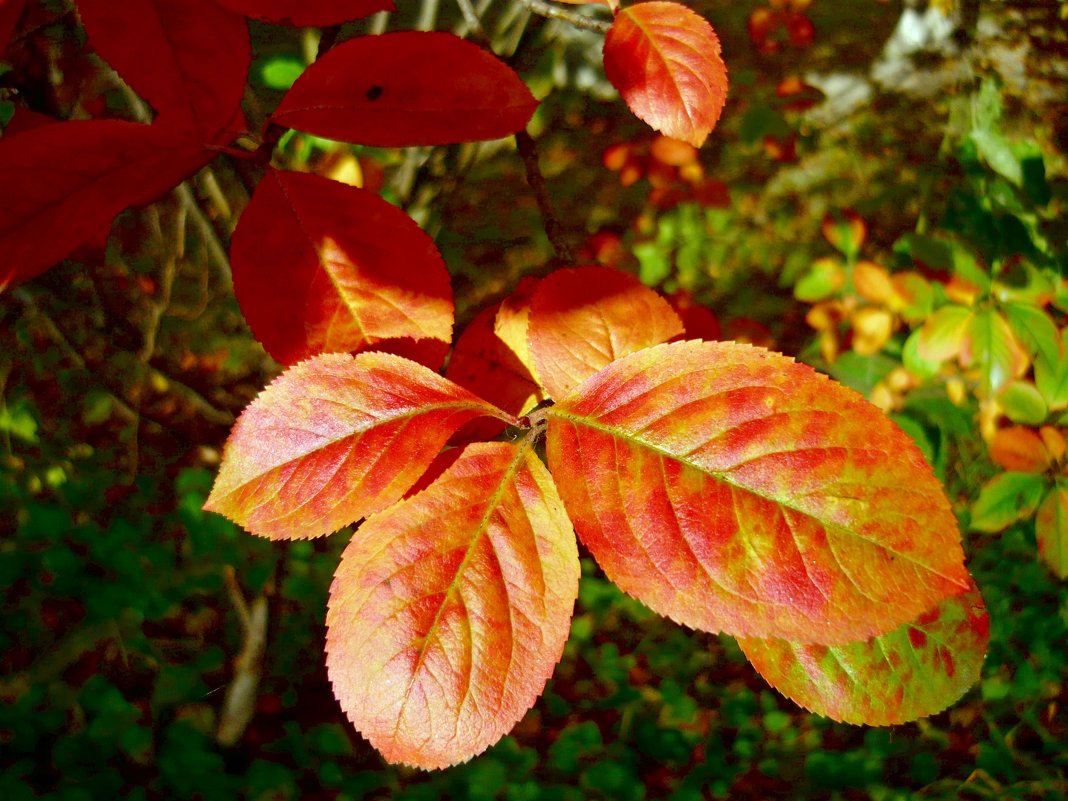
[(942, 337), (281, 72), (997, 152), (1051, 530), (991, 346), (1051, 375), (1006, 498), (824, 279), (1035, 329), (1023, 403), (914, 362)]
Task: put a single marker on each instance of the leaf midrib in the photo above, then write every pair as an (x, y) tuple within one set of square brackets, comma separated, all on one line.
[(578, 420)]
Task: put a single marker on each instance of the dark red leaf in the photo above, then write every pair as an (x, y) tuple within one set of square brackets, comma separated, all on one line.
[(187, 58), (320, 266), (304, 13), (407, 88), (10, 11), (65, 183)]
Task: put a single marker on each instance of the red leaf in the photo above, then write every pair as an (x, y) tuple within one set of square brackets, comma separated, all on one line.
[(65, 183), (334, 439), (450, 610), (321, 266), (10, 11), (584, 318), (407, 88), (665, 61), (187, 58), (918, 669), (735, 490), (305, 13), (482, 363)]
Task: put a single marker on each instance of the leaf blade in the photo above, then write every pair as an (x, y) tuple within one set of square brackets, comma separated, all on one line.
[(334, 439), (919, 669), (56, 203), (665, 61), (315, 270), (722, 486), (432, 594), (188, 59), (407, 88), (581, 319)]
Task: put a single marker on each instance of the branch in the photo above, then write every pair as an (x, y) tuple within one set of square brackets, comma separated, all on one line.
[(575, 18), (553, 228)]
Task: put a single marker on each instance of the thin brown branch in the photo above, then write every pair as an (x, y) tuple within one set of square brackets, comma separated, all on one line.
[(553, 228), (575, 18)]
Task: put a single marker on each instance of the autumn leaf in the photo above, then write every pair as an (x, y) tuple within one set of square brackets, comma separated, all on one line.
[(450, 610), (10, 11), (512, 322), (583, 318), (1051, 530), (334, 439), (735, 490), (188, 59), (407, 88), (665, 61), (308, 13), (320, 266), (1021, 449), (64, 183), (916, 670)]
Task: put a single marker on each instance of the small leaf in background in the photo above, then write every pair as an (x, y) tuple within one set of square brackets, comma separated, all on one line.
[(942, 336), (308, 13), (1035, 329), (665, 61), (95, 169), (583, 318), (698, 321), (916, 670), (1020, 449), (824, 279), (188, 59), (513, 321), (281, 72), (1051, 375), (732, 489), (846, 231), (334, 439), (1006, 498), (991, 346), (320, 266), (1023, 403), (407, 88), (450, 610), (1051, 530), (483, 364)]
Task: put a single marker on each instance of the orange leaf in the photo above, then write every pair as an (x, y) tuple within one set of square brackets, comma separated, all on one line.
[(918, 669), (735, 490), (513, 320), (449, 611), (316, 269), (665, 61), (334, 439), (1019, 449), (583, 318)]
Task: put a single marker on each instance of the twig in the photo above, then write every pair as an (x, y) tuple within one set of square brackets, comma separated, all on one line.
[(474, 24), (553, 228), (551, 11), (240, 703)]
